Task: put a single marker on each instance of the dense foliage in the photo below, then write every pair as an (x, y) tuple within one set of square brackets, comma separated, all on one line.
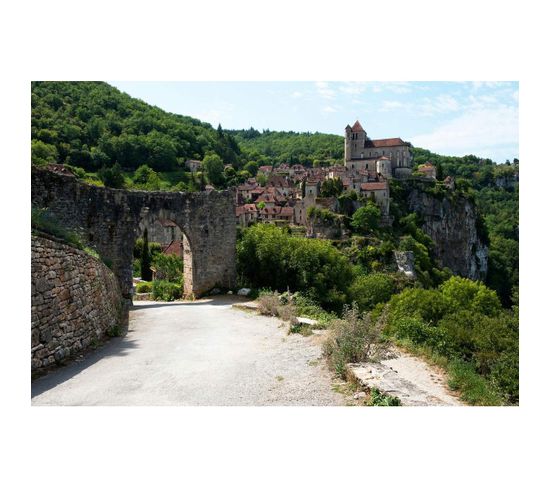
[(269, 257), (92, 124), (309, 149), (464, 322)]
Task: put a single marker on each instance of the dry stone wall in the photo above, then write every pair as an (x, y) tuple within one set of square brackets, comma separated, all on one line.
[(76, 300)]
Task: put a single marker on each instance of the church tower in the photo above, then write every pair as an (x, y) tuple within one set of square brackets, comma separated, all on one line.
[(358, 141), (347, 147)]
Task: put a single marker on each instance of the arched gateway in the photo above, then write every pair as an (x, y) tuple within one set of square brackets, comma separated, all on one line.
[(108, 220)]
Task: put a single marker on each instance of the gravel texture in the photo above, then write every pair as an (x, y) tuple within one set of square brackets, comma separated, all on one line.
[(196, 353)]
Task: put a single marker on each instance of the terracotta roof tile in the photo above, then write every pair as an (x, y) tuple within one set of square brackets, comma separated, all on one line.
[(378, 185)]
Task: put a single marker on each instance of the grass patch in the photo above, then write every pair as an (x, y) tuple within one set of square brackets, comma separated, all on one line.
[(473, 388)]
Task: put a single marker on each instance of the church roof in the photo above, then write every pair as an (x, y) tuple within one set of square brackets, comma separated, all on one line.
[(357, 127), (395, 141)]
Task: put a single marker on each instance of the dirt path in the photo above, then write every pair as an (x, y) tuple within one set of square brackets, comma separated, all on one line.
[(195, 353), (411, 379)]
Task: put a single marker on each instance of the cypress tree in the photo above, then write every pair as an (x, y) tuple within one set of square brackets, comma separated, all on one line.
[(146, 273)]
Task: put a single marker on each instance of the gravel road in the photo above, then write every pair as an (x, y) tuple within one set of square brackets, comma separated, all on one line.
[(195, 353)]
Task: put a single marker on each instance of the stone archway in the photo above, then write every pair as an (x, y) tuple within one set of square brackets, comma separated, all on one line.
[(108, 220)]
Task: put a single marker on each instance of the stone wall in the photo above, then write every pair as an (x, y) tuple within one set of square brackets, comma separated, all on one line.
[(75, 301), (108, 220)]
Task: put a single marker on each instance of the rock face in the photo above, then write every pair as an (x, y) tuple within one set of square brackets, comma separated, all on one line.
[(75, 301), (109, 220), (451, 224), (405, 262)]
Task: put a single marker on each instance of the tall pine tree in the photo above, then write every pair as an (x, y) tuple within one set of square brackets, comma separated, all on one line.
[(146, 273)]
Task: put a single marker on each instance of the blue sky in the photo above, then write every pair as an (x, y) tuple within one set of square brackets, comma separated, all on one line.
[(453, 118)]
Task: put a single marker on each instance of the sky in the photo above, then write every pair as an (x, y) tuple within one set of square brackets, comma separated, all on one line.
[(451, 118)]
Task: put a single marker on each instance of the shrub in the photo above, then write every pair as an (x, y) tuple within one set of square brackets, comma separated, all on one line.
[(270, 303), (144, 287), (168, 267), (112, 176), (166, 291), (368, 290), (378, 399), (269, 257), (366, 218), (353, 338)]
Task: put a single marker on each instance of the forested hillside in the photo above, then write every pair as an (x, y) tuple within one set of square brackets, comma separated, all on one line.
[(308, 149), (92, 124)]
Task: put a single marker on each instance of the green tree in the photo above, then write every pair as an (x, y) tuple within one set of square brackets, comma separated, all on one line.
[(213, 166), (332, 187), (42, 153), (146, 178), (112, 176), (146, 273), (368, 290), (366, 218), (251, 167)]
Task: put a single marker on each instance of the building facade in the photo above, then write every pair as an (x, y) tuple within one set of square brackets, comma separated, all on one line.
[(363, 153)]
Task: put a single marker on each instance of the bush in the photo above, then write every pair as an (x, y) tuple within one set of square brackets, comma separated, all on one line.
[(268, 257), (168, 267), (369, 290), (270, 303), (166, 291), (144, 287), (378, 399), (463, 322), (353, 338), (112, 176), (366, 218)]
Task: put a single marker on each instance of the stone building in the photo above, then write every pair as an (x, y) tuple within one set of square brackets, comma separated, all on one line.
[(362, 153)]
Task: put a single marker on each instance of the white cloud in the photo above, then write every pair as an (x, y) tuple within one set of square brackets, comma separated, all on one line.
[(438, 105), (324, 90), (398, 87), (481, 132), (353, 87), (329, 109), (297, 94), (489, 84), (389, 105)]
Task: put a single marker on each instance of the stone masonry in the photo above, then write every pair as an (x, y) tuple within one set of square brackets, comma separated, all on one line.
[(108, 220), (75, 301)]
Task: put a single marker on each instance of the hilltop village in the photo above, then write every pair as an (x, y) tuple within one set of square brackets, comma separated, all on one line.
[(284, 194)]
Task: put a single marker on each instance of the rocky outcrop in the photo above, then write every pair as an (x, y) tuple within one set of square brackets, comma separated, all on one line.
[(405, 263), (452, 224), (76, 302)]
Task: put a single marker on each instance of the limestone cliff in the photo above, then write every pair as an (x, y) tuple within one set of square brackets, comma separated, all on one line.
[(452, 225)]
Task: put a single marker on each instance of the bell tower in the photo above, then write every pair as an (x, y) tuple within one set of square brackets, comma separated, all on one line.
[(347, 144)]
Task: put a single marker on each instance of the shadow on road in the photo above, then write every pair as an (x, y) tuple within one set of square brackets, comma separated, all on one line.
[(117, 346), (219, 300)]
